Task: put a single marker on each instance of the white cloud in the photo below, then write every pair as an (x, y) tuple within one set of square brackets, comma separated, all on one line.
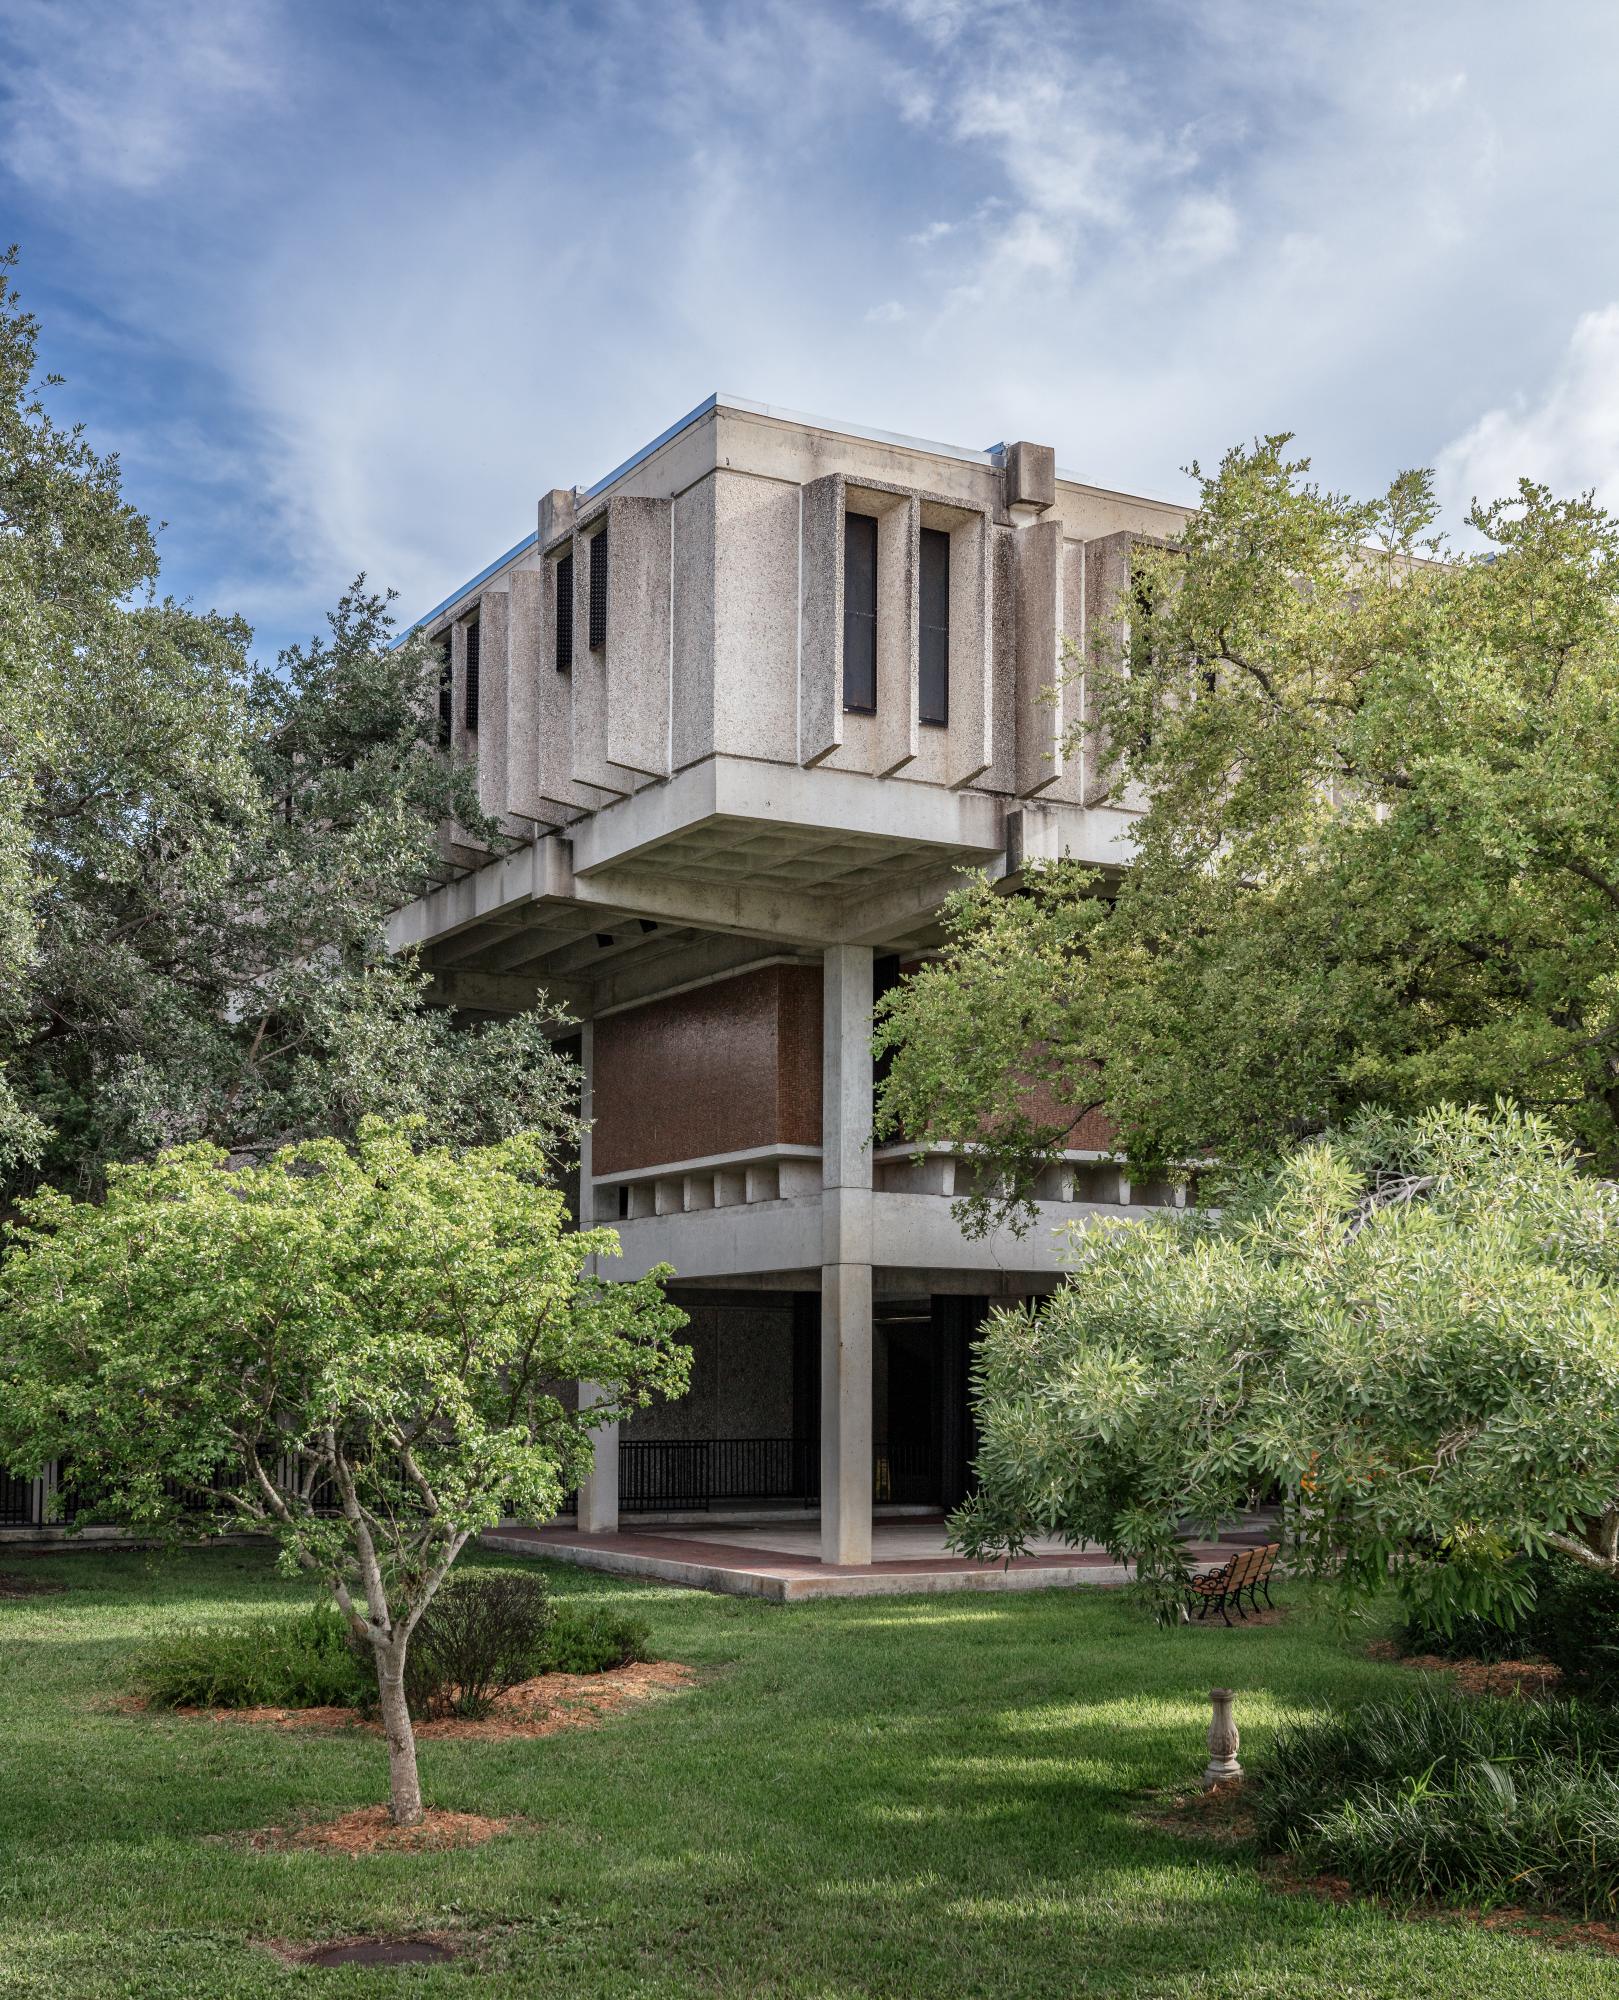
[(124, 97), (1202, 229), (438, 294), (1567, 437)]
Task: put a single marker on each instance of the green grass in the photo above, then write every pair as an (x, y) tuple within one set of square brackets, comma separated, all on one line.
[(925, 1796)]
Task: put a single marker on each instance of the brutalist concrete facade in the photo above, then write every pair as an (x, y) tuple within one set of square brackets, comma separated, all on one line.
[(694, 805)]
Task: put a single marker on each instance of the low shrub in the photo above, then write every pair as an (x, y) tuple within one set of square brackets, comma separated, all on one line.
[(1575, 1624), (1474, 1636), (1436, 1796), (592, 1639), (303, 1661), (481, 1635), (1569, 1615)]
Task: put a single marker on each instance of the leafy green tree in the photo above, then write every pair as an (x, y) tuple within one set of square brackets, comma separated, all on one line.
[(1378, 862), (380, 1329), (1409, 1329), (198, 854)]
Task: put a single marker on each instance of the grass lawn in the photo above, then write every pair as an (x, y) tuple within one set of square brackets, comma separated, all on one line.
[(928, 1796)]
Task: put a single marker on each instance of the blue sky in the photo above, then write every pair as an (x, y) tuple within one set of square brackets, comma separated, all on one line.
[(350, 285)]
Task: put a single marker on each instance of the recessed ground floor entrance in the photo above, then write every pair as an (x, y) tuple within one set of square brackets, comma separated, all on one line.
[(748, 1432)]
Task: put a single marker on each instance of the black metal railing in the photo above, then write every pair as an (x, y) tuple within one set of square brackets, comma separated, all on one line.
[(58, 1501), (678, 1474), (20, 1501)]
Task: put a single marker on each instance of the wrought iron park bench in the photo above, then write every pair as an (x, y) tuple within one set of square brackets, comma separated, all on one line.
[(1228, 1583)]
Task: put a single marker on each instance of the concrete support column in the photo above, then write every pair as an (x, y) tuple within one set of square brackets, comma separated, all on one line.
[(598, 1494), (846, 1253)]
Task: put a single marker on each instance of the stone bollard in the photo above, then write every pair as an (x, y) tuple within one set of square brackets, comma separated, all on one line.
[(1223, 1741)]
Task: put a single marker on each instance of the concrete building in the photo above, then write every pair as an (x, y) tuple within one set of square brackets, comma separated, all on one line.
[(747, 706)]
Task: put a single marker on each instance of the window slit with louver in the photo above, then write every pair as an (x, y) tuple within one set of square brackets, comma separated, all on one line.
[(598, 591), (860, 613), (471, 710), (565, 614), (933, 637), (446, 690)]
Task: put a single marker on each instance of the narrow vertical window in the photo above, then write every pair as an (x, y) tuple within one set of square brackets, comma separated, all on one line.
[(933, 607), (598, 591), (565, 613), (446, 692), (860, 613), (472, 674)]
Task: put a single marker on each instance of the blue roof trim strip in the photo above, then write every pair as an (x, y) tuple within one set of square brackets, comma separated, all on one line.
[(639, 457), (483, 576)]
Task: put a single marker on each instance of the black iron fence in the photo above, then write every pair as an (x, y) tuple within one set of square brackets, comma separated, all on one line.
[(656, 1475), (56, 1500), (22, 1501)]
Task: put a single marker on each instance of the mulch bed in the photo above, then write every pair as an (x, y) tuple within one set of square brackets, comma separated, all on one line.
[(1224, 1816), (1530, 1680), (13, 1584), (540, 1707), (369, 1830)]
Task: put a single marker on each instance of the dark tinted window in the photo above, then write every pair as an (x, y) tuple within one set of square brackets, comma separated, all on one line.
[(598, 591), (472, 675), (446, 693), (565, 613), (934, 637), (860, 613)]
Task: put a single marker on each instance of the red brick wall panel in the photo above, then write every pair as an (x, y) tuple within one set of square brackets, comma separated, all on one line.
[(720, 1069), (798, 1070)]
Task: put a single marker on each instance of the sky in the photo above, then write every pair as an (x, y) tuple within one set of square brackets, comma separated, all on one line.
[(349, 285)]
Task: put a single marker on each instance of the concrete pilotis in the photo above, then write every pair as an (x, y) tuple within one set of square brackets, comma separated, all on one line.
[(846, 1254), (598, 1494)]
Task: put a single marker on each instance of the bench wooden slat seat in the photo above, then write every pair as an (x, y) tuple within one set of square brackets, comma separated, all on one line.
[(1228, 1583)]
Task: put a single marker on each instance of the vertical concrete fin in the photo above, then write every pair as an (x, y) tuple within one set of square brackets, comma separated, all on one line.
[(1002, 773), (820, 611), (525, 613), (899, 532), (458, 844), (1106, 648), (588, 709), (972, 651), (493, 632), (694, 715), (539, 748), (1037, 569), (638, 648)]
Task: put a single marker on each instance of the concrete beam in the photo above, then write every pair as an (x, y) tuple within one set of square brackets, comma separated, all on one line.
[(778, 795), (498, 993)]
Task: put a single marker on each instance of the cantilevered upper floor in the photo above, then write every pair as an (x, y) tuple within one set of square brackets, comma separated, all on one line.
[(775, 678)]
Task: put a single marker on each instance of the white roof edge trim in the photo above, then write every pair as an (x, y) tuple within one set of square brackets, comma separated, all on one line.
[(746, 406), (490, 569)]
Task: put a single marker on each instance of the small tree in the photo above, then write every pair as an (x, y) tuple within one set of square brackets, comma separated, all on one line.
[(357, 1351), (1378, 865), (1410, 1328)]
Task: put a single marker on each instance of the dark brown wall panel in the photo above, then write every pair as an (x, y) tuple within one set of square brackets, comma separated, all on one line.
[(717, 1070), (798, 1070)]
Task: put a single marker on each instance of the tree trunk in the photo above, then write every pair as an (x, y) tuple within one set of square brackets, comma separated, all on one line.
[(404, 1786)]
